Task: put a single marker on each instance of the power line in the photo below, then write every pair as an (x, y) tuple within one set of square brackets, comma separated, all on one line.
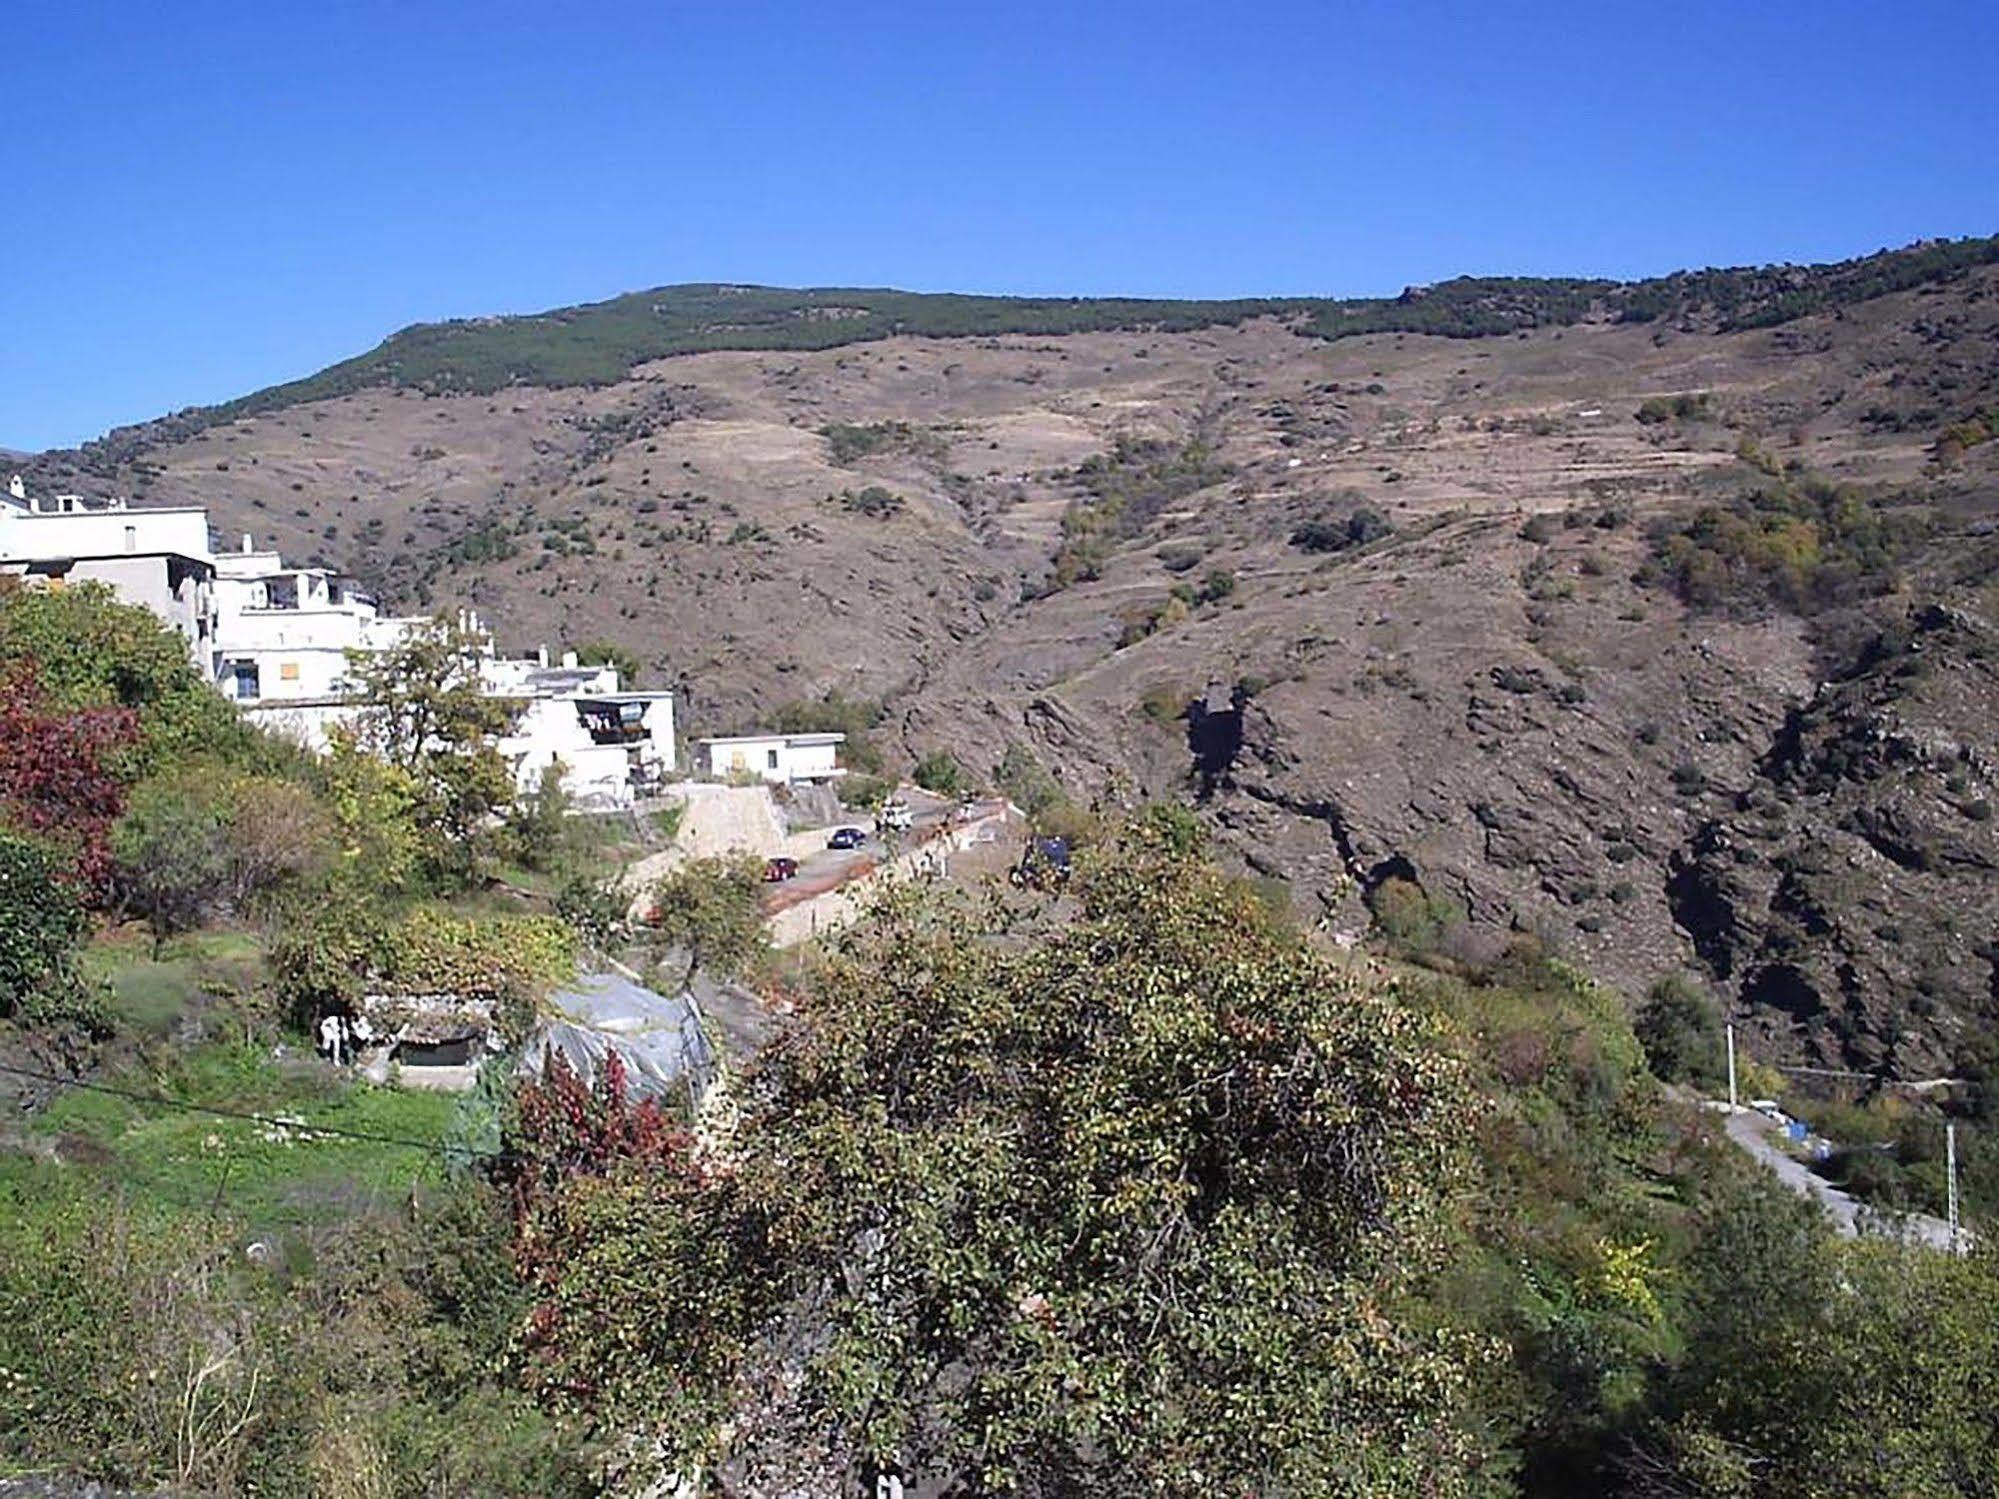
[(161, 1100)]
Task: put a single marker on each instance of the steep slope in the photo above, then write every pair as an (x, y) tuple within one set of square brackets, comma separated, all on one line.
[(1132, 551)]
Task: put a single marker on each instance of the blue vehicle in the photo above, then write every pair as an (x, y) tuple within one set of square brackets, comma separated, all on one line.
[(1044, 865), (847, 838)]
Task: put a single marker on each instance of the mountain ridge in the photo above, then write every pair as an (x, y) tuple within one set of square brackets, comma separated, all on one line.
[(596, 343)]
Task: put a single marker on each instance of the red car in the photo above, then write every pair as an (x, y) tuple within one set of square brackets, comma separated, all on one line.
[(777, 871)]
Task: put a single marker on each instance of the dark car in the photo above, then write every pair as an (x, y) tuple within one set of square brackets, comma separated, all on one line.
[(1044, 865), (846, 838), (777, 871)]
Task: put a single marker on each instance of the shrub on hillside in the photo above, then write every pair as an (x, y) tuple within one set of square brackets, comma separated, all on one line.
[(1803, 546), (939, 771), (41, 921), (874, 502), (1680, 1030), (1687, 407), (1355, 529)]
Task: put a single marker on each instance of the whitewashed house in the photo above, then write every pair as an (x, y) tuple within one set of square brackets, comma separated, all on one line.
[(159, 558), (282, 638), (781, 759), (278, 639), (615, 745)]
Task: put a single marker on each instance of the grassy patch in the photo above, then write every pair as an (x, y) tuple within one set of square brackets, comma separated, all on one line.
[(150, 994), (182, 1158)]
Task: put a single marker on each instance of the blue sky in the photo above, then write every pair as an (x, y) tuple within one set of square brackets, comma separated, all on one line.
[(203, 199)]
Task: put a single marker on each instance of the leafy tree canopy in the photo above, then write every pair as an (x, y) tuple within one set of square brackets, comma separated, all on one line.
[(90, 651), (428, 719), (1131, 1206), (40, 921), (712, 910)]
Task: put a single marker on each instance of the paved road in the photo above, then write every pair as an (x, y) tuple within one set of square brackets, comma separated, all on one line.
[(1752, 1131)]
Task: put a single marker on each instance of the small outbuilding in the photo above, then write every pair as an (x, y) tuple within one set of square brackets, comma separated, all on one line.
[(781, 759)]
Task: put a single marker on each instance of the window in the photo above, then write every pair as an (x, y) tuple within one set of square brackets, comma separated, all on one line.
[(247, 687), (288, 671), (131, 538), (770, 759)]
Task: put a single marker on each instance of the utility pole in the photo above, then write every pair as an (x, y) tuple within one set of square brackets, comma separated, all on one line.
[(1950, 1172), (1732, 1104)]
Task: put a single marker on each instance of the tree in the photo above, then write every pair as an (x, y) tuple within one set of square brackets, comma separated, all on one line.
[(939, 771), (374, 809), (278, 837), (1131, 1207), (59, 772), (713, 910), (91, 652), (173, 861), (538, 825), (610, 653), (429, 718), (40, 921), (210, 838), (1020, 779), (1822, 1368), (1680, 1031), (837, 714)]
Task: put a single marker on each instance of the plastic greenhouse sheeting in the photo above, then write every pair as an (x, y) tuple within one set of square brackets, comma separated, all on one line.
[(666, 1052)]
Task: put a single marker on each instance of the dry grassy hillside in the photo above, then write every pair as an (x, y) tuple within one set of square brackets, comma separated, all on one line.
[(1501, 698)]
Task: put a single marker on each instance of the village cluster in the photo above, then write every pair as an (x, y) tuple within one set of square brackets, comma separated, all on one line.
[(279, 640)]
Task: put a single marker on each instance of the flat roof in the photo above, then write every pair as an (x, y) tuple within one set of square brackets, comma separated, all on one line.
[(29, 508), (51, 559), (807, 739)]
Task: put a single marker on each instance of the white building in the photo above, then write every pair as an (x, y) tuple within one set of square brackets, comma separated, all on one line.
[(781, 759), (278, 641), (158, 558), (283, 633), (614, 744)]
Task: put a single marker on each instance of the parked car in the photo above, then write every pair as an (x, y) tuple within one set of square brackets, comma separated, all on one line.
[(777, 871), (847, 838)]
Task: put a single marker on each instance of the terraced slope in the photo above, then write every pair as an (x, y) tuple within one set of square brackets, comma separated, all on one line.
[(1619, 651)]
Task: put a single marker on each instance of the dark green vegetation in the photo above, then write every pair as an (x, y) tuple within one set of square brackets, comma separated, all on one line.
[(601, 342), (1796, 542), (1356, 528), (1104, 1204), (1144, 1198), (846, 441), (233, 1311), (223, 1266), (710, 909), (1122, 493)]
